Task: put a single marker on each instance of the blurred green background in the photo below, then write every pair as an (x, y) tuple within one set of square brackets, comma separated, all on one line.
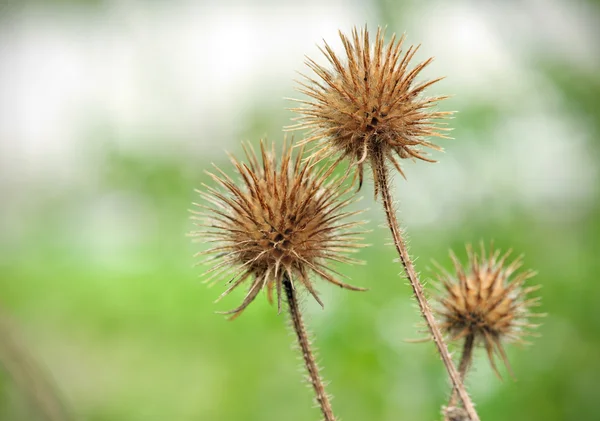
[(110, 111)]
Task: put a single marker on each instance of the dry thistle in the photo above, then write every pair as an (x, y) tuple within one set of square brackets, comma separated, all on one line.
[(284, 221), (485, 304), (283, 224), (368, 107)]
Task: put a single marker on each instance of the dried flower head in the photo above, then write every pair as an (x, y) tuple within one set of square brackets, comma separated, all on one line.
[(277, 222), (487, 302), (367, 105)]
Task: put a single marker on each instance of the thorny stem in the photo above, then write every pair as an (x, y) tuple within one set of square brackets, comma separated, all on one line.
[(307, 354), (30, 378), (463, 366), (381, 178)]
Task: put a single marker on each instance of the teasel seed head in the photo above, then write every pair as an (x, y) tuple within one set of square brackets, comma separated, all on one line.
[(366, 106), (488, 301), (287, 220)]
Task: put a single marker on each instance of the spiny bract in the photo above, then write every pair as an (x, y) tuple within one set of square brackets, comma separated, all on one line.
[(367, 106), (279, 221), (486, 301)]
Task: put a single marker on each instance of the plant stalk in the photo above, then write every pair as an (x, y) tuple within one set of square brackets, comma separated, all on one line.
[(43, 397), (307, 354), (382, 182), (463, 366)]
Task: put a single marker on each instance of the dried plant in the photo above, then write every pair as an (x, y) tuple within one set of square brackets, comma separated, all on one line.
[(367, 108), (485, 304), (283, 224), (280, 225)]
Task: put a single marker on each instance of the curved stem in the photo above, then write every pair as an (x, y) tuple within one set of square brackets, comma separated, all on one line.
[(307, 354), (463, 366), (381, 180), (19, 365)]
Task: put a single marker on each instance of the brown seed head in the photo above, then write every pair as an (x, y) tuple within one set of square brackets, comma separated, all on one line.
[(488, 301), (366, 105), (278, 221)]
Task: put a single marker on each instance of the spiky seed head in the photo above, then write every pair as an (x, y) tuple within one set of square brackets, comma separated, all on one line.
[(366, 105), (488, 301), (276, 221)]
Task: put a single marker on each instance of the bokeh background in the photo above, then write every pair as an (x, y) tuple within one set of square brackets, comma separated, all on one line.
[(110, 111)]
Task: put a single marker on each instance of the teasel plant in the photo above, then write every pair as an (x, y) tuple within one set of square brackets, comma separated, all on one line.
[(366, 106), (276, 228), (485, 303)]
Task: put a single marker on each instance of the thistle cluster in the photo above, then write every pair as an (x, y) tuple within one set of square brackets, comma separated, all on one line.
[(486, 302), (286, 220), (281, 223), (368, 108)]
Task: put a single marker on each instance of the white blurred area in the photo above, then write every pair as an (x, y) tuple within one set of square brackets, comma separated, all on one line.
[(183, 73), (537, 155)]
